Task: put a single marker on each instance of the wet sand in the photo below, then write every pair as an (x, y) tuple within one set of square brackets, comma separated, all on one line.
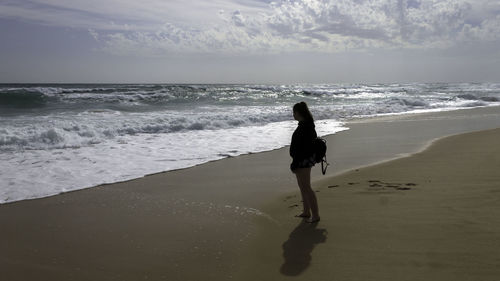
[(224, 220)]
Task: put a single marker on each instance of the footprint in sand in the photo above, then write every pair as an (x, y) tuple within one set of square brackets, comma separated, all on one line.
[(407, 187), (397, 186)]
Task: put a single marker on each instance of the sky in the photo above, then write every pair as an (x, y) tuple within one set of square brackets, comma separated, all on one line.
[(249, 41)]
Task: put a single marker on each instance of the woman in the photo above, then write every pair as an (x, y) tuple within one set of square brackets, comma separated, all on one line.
[(301, 151)]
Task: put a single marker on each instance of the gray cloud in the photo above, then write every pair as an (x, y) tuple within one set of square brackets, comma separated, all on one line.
[(159, 28)]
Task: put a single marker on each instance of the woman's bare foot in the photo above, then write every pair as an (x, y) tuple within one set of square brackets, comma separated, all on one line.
[(313, 220), (303, 215)]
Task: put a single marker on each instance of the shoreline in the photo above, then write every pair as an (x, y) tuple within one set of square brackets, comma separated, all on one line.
[(164, 223), (390, 117)]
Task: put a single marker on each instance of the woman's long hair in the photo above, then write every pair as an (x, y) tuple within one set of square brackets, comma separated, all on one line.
[(302, 109)]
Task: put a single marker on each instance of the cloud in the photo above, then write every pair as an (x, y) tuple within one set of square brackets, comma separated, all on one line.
[(94, 34), (115, 14), (162, 28)]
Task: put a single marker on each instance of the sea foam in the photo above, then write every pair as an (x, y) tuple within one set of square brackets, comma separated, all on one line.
[(45, 172)]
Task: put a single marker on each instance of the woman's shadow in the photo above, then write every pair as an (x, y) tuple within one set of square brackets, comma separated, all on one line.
[(299, 246)]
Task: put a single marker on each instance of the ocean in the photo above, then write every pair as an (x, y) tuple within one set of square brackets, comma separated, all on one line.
[(61, 137)]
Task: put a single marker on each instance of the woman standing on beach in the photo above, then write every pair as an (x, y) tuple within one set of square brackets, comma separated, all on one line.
[(301, 151)]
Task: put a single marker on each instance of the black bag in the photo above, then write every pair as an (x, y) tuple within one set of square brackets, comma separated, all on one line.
[(319, 147)]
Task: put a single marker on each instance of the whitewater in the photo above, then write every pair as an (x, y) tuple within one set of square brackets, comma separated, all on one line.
[(61, 137)]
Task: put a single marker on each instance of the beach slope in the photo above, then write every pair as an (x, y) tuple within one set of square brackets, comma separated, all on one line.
[(431, 216)]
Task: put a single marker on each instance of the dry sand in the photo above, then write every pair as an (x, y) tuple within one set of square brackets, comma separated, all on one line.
[(227, 220), (432, 216)]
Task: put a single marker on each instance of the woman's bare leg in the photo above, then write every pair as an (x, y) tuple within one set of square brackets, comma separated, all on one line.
[(306, 209), (308, 195), (313, 202)]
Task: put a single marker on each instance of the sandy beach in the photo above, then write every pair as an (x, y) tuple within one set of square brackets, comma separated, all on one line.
[(430, 216)]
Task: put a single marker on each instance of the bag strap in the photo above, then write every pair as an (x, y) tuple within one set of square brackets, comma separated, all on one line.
[(324, 165)]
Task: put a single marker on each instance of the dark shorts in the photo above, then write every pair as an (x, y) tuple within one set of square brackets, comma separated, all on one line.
[(302, 163)]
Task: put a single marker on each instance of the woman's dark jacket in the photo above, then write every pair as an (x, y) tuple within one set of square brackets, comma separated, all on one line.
[(301, 147)]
